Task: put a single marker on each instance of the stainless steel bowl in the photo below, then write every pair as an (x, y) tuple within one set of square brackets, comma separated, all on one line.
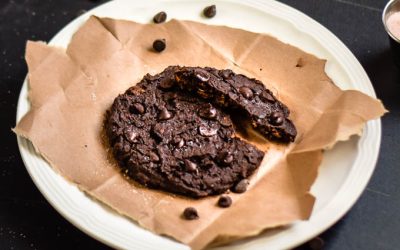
[(391, 7)]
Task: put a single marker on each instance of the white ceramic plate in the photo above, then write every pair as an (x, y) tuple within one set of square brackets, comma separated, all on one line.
[(345, 170)]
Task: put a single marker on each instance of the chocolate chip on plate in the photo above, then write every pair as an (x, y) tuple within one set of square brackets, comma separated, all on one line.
[(316, 244), (224, 201), (246, 92), (159, 45), (190, 213), (241, 186), (160, 17), (210, 11)]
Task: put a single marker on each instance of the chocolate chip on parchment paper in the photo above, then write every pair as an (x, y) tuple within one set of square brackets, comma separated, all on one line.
[(241, 186), (160, 17), (159, 45), (224, 201), (190, 213)]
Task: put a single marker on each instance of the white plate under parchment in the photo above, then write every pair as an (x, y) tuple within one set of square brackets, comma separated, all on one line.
[(345, 170)]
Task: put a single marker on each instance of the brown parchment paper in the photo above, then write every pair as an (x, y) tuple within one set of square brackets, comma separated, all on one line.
[(71, 89)]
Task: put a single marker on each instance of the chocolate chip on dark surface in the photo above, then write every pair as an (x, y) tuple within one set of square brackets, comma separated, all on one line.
[(179, 142), (202, 75), (207, 131), (224, 201), (190, 166), (246, 92), (190, 213), (276, 118), (165, 114), (210, 11), (159, 45), (137, 108), (228, 159), (154, 157), (208, 111), (166, 83), (241, 186), (226, 74), (160, 17), (225, 121), (265, 96), (316, 244)]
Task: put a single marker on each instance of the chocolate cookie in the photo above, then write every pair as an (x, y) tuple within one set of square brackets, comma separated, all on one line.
[(175, 141), (242, 94)]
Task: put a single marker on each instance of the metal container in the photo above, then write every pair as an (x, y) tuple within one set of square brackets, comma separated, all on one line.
[(391, 7)]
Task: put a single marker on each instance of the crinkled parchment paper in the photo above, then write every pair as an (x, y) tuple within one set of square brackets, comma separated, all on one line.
[(71, 89)]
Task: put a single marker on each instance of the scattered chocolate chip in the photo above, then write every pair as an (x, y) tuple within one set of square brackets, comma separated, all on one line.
[(160, 17), (224, 201), (228, 159), (137, 108), (159, 45), (210, 11), (206, 131), (190, 213), (246, 92), (190, 166), (165, 114), (208, 112), (276, 118), (316, 244), (225, 121), (265, 96), (154, 157), (202, 76), (241, 186)]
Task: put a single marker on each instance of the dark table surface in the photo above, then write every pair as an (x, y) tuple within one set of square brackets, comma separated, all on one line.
[(27, 221)]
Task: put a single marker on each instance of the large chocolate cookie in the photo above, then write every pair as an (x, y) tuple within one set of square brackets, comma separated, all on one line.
[(242, 94), (175, 141)]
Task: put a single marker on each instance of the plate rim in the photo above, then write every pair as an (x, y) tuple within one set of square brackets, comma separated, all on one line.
[(340, 201)]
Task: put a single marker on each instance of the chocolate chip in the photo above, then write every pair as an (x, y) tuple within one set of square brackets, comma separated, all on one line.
[(276, 118), (224, 201), (226, 73), (130, 134), (208, 111), (316, 244), (202, 76), (137, 108), (190, 213), (165, 114), (166, 83), (190, 166), (267, 97), (225, 121), (160, 17), (154, 157), (228, 159), (210, 11), (179, 142), (159, 45), (246, 92), (206, 131), (241, 186)]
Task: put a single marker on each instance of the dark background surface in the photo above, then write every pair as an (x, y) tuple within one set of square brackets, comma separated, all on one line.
[(27, 221)]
